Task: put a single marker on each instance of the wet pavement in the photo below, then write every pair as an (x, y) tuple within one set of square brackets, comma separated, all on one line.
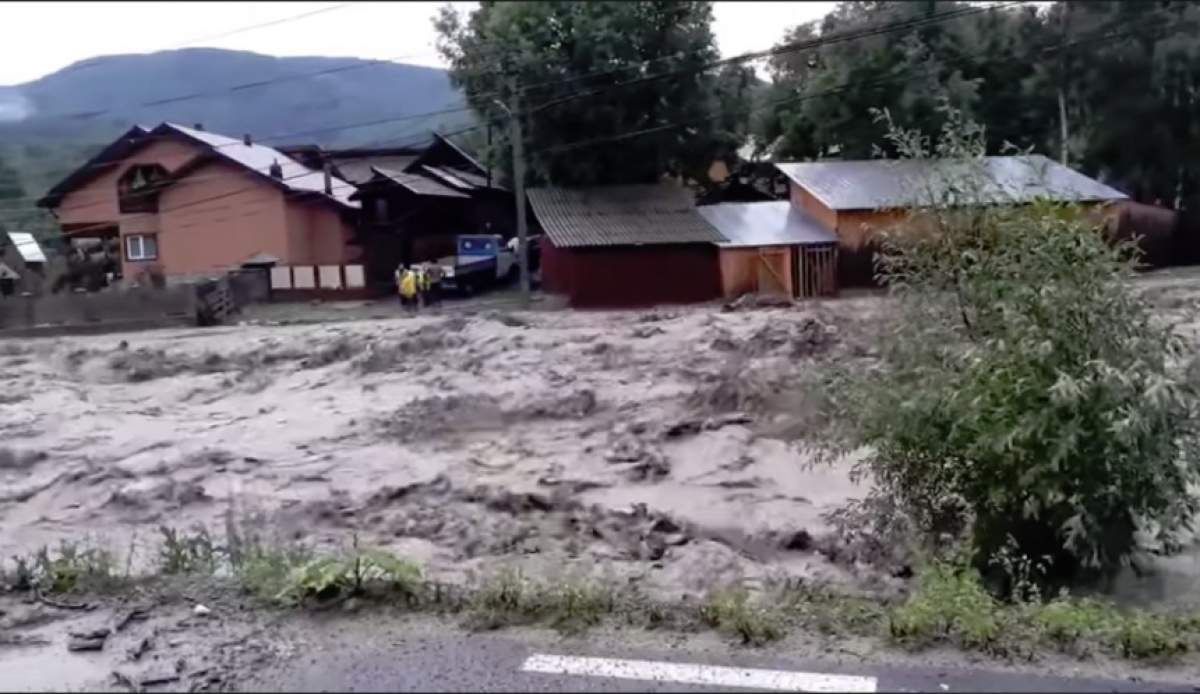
[(424, 661)]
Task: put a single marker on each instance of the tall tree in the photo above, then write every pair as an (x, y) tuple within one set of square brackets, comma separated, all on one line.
[(557, 50), (978, 62), (1113, 86)]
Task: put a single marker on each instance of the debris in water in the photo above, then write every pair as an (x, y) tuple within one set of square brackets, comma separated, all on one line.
[(88, 640), (143, 646), (201, 611)]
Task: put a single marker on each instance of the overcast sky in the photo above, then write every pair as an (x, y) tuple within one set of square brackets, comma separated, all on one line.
[(37, 38)]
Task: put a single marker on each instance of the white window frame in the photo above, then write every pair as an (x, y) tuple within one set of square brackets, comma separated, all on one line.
[(141, 247)]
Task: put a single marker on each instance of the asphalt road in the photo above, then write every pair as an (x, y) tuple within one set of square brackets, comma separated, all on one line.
[(456, 661)]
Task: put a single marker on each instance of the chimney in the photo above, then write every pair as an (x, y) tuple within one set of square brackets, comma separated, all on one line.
[(246, 140), (276, 170), (328, 178), (198, 126)]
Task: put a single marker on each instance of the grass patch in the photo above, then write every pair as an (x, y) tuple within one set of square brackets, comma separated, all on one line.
[(950, 605), (187, 554), (71, 567), (506, 598), (734, 612), (510, 598)]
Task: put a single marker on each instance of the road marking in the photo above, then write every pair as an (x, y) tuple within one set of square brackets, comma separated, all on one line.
[(714, 675)]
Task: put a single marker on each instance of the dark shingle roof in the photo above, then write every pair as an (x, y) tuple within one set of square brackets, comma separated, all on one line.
[(891, 183), (773, 223), (620, 215)]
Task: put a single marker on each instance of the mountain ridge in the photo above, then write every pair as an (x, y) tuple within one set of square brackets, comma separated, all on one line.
[(228, 91)]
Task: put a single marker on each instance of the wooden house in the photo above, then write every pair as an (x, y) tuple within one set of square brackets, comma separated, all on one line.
[(633, 245)]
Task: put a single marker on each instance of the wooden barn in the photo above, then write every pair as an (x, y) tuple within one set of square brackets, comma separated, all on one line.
[(773, 248), (631, 245), (856, 200)]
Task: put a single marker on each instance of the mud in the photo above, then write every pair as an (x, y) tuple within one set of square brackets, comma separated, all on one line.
[(631, 441), (139, 644), (666, 448)]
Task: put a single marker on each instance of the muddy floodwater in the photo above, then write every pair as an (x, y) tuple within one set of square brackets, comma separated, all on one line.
[(663, 447)]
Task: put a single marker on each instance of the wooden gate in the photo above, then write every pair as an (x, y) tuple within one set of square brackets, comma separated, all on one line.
[(773, 272), (815, 271)]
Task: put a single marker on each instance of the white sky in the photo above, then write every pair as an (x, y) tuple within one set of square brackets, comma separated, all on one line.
[(37, 38)]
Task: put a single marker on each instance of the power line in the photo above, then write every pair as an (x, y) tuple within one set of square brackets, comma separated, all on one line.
[(282, 20), (778, 50), (902, 25), (277, 136), (1050, 48), (905, 25)]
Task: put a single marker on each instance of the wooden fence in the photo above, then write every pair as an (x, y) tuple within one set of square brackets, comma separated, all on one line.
[(816, 271)]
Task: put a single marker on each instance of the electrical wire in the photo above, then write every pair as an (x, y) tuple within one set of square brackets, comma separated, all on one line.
[(274, 22), (1050, 48), (568, 146), (902, 25)]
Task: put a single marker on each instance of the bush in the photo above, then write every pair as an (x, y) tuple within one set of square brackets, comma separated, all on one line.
[(1025, 394)]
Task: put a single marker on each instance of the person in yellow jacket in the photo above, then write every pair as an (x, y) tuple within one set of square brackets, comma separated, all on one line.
[(422, 285), (406, 284)]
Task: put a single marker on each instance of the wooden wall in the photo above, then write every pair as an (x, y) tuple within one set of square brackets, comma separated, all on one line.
[(756, 270), (620, 276)]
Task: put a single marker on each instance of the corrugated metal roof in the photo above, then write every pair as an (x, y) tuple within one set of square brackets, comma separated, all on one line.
[(27, 246), (465, 180), (357, 170), (419, 184), (259, 158), (620, 215), (891, 183), (448, 176), (773, 223)]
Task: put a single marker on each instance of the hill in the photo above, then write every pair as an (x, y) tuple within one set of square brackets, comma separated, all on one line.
[(44, 131), (236, 92)]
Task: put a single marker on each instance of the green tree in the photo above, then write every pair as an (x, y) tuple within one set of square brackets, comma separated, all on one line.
[(1111, 85), (11, 196), (908, 72), (556, 50), (1025, 390)]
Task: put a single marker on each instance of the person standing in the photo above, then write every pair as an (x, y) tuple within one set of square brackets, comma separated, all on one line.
[(408, 288), (421, 284), (433, 284)]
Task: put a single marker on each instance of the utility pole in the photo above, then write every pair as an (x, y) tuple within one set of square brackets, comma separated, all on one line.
[(518, 155), (1064, 134)]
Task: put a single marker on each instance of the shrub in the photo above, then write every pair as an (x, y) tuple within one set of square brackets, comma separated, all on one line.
[(1025, 395)]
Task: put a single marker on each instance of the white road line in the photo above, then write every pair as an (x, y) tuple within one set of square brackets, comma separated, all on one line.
[(685, 673)]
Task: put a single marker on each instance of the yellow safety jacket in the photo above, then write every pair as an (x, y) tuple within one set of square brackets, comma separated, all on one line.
[(408, 284)]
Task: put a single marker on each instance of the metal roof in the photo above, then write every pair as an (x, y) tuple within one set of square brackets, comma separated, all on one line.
[(27, 246), (357, 170), (773, 223), (7, 273), (259, 158), (892, 183), (620, 215), (418, 184)]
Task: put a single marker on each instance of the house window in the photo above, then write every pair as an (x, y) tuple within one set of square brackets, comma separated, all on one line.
[(141, 247), (381, 209), (137, 188)]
